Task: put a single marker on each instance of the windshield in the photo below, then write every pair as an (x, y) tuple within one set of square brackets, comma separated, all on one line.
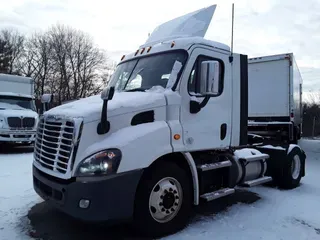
[(16, 103), (147, 72)]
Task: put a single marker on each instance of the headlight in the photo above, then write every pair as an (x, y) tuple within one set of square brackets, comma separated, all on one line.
[(102, 163)]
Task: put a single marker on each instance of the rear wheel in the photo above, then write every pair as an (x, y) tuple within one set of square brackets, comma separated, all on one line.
[(163, 200), (292, 170)]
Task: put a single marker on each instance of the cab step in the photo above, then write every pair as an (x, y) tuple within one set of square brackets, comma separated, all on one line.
[(213, 166), (256, 157), (256, 182), (217, 194)]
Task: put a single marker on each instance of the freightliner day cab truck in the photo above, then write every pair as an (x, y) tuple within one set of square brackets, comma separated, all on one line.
[(275, 98), (18, 115), (168, 132)]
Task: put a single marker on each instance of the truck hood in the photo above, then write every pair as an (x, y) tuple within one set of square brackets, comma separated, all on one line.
[(17, 113), (123, 102)]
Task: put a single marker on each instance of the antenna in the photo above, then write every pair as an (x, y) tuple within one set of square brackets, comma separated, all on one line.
[(231, 56)]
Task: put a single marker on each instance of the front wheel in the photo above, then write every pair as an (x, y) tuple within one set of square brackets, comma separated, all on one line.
[(163, 200)]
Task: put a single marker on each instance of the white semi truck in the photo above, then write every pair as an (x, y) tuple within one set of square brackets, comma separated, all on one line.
[(168, 132), (18, 115), (275, 98)]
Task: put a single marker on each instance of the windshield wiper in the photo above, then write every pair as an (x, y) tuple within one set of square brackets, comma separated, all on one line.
[(136, 90)]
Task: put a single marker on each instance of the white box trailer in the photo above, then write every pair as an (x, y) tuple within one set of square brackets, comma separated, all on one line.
[(16, 84), (275, 97), (18, 116)]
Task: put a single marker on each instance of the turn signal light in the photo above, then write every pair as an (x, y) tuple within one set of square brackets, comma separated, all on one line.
[(176, 136)]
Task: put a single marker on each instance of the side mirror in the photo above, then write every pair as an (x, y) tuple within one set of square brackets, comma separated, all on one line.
[(46, 98), (209, 78), (107, 93)]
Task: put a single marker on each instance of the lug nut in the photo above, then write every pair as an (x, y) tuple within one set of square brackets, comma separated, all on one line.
[(170, 189), (175, 192), (176, 204), (177, 197), (172, 209), (166, 191), (161, 204), (167, 212), (162, 209), (161, 197)]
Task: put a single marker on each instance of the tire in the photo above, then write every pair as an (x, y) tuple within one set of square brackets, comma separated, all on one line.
[(292, 170), (151, 199)]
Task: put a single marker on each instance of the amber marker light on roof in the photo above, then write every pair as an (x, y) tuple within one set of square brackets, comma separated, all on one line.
[(149, 48), (123, 57), (172, 44)]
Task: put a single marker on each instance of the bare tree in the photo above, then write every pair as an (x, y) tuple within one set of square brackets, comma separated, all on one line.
[(36, 61), (312, 98), (78, 60), (14, 47), (61, 60), (4, 56)]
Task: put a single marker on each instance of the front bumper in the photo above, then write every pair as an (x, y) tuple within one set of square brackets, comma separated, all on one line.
[(17, 135), (111, 198)]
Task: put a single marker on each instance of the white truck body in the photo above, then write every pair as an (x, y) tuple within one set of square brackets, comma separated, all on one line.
[(275, 92), (169, 131), (17, 85), (18, 116)]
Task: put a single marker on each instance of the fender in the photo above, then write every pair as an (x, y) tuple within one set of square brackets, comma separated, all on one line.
[(195, 179), (154, 138)]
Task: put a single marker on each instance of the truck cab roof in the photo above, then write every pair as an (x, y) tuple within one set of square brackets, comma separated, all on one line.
[(183, 43)]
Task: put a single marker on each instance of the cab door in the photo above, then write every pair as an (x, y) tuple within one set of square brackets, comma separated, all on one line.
[(209, 128)]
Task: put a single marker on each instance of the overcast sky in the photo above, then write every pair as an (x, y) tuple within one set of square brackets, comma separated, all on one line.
[(262, 27)]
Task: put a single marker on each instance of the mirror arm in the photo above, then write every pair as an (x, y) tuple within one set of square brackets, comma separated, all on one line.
[(104, 124), (196, 107), (205, 101)]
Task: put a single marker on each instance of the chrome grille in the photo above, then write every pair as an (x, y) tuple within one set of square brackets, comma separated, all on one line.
[(23, 122), (54, 143)]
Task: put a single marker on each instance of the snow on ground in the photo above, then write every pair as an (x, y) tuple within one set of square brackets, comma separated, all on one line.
[(277, 215), (16, 193), (285, 215)]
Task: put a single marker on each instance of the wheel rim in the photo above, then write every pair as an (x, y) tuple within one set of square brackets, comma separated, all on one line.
[(295, 167), (165, 200)]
